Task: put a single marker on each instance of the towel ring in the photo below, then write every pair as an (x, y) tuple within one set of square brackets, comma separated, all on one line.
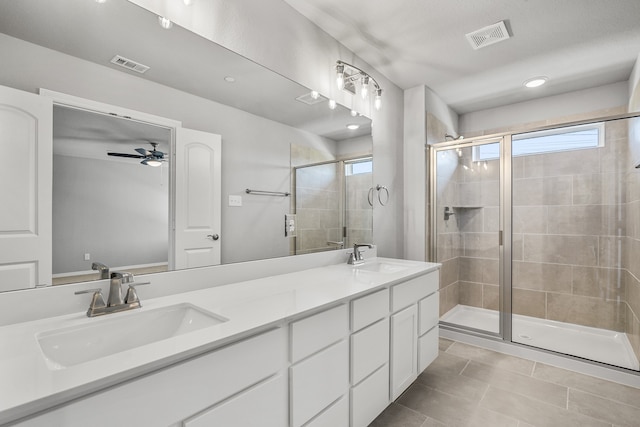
[(380, 188), (370, 196)]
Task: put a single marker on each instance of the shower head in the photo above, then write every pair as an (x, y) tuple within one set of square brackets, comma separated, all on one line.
[(451, 137)]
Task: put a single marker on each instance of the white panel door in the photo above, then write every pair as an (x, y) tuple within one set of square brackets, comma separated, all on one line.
[(25, 189), (198, 196)]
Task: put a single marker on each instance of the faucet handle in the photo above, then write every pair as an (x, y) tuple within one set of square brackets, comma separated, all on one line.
[(132, 295), (96, 300)]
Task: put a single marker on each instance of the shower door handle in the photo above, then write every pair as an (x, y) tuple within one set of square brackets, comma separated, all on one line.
[(500, 238)]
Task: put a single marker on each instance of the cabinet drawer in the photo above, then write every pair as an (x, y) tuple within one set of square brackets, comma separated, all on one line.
[(369, 350), (369, 398), (337, 415), (318, 381), (263, 405), (428, 312), (369, 309), (196, 384), (427, 348), (318, 331), (410, 292)]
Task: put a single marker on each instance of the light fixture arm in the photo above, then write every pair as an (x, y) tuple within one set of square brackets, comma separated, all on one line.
[(360, 73)]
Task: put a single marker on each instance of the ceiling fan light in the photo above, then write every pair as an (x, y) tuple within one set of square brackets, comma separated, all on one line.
[(154, 163)]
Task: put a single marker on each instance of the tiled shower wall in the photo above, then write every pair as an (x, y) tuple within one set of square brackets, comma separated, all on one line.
[(576, 242), (318, 207), (569, 224)]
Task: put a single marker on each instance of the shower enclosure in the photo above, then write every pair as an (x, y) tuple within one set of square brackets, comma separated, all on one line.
[(538, 234), (332, 205)]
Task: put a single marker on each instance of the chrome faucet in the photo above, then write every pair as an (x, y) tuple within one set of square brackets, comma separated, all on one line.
[(115, 302), (103, 269), (356, 258)]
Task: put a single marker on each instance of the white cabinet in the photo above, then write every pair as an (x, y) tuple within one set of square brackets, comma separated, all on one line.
[(263, 405), (319, 374), (186, 389), (339, 367), (414, 331), (369, 357), (428, 331), (404, 350)]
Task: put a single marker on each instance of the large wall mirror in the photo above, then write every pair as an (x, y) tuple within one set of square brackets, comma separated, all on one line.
[(110, 208)]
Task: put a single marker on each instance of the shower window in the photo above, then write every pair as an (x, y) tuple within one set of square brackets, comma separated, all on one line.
[(548, 141)]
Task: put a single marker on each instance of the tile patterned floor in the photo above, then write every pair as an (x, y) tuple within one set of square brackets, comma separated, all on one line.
[(472, 386)]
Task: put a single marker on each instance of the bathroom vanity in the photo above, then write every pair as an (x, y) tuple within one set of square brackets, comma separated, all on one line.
[(326, 346)]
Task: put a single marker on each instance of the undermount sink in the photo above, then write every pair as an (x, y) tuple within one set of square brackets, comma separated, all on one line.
[(381, 267), (105, 336)]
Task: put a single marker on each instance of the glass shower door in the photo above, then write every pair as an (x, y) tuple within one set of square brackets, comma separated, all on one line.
[(466, 223), (574, 221)]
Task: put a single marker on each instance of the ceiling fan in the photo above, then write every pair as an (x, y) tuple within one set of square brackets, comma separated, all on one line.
[(152, 158)]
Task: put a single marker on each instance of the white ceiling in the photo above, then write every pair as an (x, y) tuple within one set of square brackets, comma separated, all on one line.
[(178, 58), (576, 43)]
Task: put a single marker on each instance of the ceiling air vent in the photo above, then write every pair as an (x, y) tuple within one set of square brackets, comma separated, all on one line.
[(488, 35), (129, 64), (308, 98)]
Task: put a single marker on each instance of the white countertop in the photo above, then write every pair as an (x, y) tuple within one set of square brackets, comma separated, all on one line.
[(29, 385)]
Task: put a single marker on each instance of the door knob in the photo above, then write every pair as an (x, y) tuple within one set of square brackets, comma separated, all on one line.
[(213, 236)]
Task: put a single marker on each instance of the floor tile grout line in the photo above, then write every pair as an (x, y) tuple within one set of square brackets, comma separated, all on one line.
[(608, 399)]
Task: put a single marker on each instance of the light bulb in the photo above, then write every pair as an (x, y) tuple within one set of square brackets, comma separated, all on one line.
[(164, 22), (332, 104), (354, 113), (315, 94), (187, 2), (340, 76), (364, 91), (151, 162), (378, 99)]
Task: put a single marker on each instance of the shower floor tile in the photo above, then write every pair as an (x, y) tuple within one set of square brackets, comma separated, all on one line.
[(601, 345)]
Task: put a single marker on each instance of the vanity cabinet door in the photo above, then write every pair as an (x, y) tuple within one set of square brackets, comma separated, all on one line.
[(404, 350)]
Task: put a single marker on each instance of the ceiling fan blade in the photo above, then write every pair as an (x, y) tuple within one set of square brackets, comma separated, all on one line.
[(143, 151), (133, 156)]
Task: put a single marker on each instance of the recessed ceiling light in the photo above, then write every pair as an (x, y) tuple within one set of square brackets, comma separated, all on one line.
[(352, 126), (101, 1), (229, 79), (536, 82)]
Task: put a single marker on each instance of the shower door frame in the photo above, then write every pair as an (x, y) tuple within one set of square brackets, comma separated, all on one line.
[(505, 225)]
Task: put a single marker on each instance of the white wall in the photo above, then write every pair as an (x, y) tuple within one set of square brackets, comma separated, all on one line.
[(255, 151), (419, 103), (415, 139), (542, 109), (273, 34), (117, 212), (634, 87)]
